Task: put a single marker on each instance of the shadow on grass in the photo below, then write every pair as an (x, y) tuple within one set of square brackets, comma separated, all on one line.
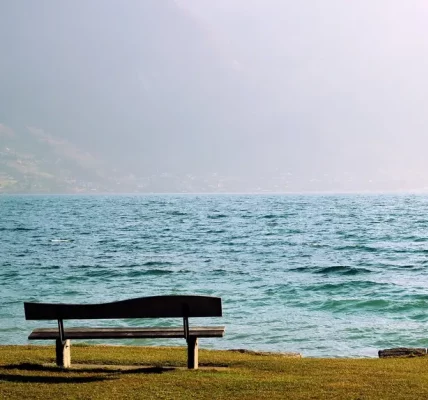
[(32, 367), (213, 365), (51, 379), (112, 373)]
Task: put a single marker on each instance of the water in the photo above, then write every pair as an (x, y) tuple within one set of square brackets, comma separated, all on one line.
[(321, 275)]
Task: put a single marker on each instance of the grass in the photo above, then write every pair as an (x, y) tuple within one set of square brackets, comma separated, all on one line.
[(28, 372)]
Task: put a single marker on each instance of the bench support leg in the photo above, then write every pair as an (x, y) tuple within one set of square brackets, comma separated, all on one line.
[(192, 352), (63, 354)]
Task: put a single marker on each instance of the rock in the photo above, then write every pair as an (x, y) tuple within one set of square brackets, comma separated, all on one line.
[(403, 352), (266, 353)]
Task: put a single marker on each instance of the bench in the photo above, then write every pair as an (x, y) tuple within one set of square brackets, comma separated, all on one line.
[(173, 306)]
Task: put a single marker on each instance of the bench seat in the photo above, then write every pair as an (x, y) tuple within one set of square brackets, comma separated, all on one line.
[(126, 333), (170, 306)]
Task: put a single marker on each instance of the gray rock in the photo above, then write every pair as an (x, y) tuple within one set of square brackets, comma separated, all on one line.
[(265, 353), (403, 352)]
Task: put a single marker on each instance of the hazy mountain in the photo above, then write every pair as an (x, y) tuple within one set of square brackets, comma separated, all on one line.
[(141, 86), (33, 161), (330, 93)]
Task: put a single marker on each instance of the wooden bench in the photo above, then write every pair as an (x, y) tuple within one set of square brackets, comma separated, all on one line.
[(184, 307)]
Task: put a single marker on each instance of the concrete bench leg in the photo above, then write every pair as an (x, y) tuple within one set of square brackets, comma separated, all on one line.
[(63, 353), (192, 352)]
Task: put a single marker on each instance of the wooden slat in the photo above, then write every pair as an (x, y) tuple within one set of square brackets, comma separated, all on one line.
[(143, 307), (126, 333)]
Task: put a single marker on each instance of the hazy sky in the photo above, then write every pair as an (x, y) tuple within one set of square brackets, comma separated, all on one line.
[(355, 71), (314, 87)]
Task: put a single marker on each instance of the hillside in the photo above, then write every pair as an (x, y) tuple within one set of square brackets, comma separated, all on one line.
[(32, 161), (142, 86), (193, 95)]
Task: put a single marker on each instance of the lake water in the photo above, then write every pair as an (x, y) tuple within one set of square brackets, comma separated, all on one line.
[(320, 275)]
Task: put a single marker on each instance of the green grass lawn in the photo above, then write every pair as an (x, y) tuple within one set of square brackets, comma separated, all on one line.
[(28, 372)]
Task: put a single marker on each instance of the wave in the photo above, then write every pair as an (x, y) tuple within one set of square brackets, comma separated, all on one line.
[(344, 286), (358, 247), (177, 213), (318, 245), (269, 216), (419, 239), (48, 267), (396, 310), (156, 263), (301, 269), (9, 275), (216, 231), (217, 216), (99, 272), (108, 273), (17, 229), (294, 230), (353, 305), (219, 271), (156, 272), (342, 270)]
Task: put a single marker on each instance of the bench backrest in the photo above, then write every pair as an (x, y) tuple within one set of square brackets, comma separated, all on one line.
[(143, 307)]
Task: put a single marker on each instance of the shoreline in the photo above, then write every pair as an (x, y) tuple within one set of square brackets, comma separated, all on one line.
[(103, 372), (397, 352)]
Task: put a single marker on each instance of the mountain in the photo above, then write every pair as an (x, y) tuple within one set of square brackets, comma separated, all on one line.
[(32, 161), (233, 95), (140, 85)]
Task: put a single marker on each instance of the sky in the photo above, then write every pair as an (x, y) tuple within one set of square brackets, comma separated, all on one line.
[(352, 74), (322, 89)]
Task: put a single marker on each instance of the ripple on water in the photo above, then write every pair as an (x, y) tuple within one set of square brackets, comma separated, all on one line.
[(323, 275), (342, 270), (357, 248)]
